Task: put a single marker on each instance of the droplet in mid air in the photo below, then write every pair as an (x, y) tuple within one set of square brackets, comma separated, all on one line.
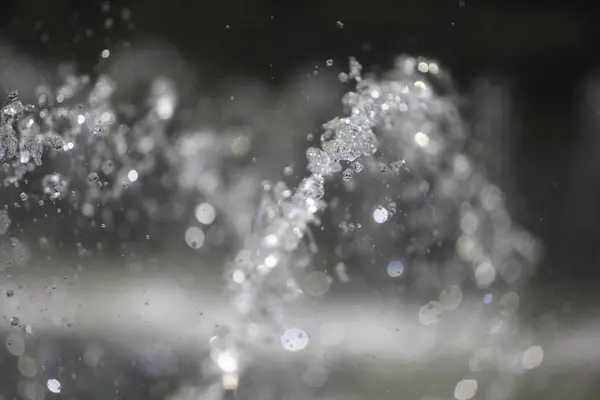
[(54, 185), (132, 175), (380, 215), (421, 139), (395, 269), (451, 297), (317, 283), (294, 339), (227, 362), (533, 357), (430, 313), (194, 237), (54, 386), (465, 389), (205, 213)]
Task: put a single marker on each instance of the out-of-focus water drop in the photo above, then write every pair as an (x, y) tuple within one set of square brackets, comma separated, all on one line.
[(430, 313), (380, 215), (132, 176), (15, 344), (205, 213), (488, 298), (532, 357), (315, 376), (27, 366), (317, 283), (238, 276), (485, 274), (465, 389), (4, 222), (421, 139), (55, 185), (227, 362), (294, 339), (54, 386), (395, 269), (194, 237), (509, 303), (451, 297)]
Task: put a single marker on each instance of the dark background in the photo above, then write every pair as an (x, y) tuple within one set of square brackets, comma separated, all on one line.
[(541, 56)]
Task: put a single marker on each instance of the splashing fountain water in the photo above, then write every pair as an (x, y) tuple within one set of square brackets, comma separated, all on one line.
[(426, 130), (403, 132)]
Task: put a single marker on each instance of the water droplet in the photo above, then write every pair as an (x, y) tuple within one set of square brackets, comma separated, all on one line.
[(509, 303), (105, 53), (329, 62), (98, 131), (13, 96), (421, 139), (227, 362), (465, 389), (194, 237), (24, 196), (294, 339), (288, 171), (125, 14), (485, 274), (395, 269), (132, 175), (532, 357), (451, 297), (317, 283), (4, 222), (380, 215), (315, 376), (54, 185), (347, 174), (271, 261), (357, 167), (430, 313), (510, 271), (54, 386), (27, 366), (488, 298), (15, 344), (238, 276), (205, 213)]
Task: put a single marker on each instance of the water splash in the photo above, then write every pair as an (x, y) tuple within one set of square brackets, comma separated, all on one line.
[(403, 128), (423, 129)]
